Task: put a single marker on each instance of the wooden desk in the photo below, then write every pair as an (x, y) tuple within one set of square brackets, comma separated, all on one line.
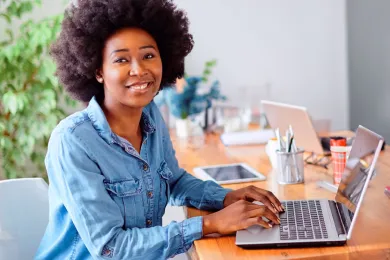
[(371, 234)]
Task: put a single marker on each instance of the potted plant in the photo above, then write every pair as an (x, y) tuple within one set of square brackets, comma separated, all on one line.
[(188, 99), (30, 95)]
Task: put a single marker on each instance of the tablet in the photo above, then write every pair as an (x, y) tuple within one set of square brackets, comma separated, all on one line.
[(229, 173)]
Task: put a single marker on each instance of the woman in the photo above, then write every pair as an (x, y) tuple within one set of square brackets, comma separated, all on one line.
[(112, 168)]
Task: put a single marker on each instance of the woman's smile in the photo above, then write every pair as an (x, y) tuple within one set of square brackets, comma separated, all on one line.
[(140, 87)]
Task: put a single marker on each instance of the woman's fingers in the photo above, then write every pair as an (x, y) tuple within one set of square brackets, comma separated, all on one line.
[(262, 211), (257, 221), (265, 197)]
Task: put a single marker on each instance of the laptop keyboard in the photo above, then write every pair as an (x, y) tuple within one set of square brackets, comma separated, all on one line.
[(302, 220)]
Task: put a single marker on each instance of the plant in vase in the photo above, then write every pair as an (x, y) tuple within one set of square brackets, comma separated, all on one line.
[(187, 101)]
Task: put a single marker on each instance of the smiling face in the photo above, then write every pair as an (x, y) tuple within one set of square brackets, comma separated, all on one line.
[(131, 69)]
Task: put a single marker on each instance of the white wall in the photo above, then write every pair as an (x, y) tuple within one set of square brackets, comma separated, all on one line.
[(369, 64), (297, 48)]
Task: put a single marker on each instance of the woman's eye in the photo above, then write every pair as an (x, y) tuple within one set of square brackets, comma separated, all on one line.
[(120, 60), (149, 56)]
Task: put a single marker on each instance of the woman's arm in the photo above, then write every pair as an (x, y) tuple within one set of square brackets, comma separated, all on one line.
[(77, 180), (186, 190)]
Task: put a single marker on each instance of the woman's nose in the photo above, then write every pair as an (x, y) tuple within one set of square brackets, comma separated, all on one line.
[(137, 68)]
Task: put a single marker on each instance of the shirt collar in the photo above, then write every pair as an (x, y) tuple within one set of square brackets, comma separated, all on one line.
[(99, 121)]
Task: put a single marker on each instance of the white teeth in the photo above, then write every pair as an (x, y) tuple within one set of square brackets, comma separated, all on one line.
[(143, 86)]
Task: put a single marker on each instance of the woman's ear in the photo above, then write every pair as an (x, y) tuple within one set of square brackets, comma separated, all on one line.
[(99, 76)]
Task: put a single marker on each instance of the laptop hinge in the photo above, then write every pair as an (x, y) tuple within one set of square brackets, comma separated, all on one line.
[(341, 231), (344, 213)]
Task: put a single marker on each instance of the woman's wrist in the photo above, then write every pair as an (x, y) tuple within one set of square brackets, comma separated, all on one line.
[(226, 200), (208, 225)]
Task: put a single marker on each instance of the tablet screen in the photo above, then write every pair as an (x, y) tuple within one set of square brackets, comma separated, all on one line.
[(231, 172)]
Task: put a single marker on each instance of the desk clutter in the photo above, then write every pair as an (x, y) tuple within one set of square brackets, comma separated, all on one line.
[(286, 158), (289, 161)]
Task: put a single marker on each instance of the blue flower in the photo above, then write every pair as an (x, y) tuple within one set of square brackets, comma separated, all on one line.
[(189, 102)]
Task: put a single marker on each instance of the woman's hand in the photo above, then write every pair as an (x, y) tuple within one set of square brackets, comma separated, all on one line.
[(239, 215), (252, 193)]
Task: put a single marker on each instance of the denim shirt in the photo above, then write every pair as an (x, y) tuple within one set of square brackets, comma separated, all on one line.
[(107, 200)]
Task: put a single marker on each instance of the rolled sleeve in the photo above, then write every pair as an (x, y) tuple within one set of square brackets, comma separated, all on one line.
[(218, 196), (192, 230)]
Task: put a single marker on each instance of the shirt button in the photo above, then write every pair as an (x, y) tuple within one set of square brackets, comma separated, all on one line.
[(150, 194), (148, 222), (145, 167)]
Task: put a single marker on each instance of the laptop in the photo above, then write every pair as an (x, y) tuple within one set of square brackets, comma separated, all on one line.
[(322, 222), (281, 115)]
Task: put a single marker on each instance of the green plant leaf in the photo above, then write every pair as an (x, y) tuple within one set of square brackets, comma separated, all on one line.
[(183, 115), (5, 143), (10, 35), (2, 127), (26, 7), (12, 9), (6, 17), (207, 72), (211, 63), (29, 90), (10, 102), (8, 53), (69, 101)]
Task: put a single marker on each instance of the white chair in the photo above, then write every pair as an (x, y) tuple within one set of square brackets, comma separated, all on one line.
[(24, 214)]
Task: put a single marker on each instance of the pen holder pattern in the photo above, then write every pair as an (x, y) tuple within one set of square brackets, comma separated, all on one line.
[(290, 167)]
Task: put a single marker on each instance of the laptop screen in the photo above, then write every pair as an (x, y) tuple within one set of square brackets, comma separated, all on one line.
[(359, 167)]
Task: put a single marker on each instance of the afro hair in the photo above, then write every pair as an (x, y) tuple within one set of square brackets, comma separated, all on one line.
[(86, 26)]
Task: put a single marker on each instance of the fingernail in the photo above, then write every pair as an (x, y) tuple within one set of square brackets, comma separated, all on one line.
[(270, 225)]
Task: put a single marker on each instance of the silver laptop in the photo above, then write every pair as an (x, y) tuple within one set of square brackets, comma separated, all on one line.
[(323, 222), (280, 115)]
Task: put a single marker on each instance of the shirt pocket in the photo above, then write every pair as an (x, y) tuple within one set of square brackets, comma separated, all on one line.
[(165, 175), (127, 194)]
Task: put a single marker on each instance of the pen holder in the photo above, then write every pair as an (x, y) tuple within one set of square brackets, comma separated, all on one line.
[(290, 167)]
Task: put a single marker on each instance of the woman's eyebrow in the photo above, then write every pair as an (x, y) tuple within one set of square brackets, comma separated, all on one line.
[(119, 50), (127, 50), (147, 46)]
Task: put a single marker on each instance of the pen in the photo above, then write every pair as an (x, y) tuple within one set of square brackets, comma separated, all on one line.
[(287, 141), (290, 144), (280, 141), (294, 149), (292, 133)]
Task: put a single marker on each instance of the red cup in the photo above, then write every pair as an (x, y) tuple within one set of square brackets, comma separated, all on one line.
[(338, 141), (339, 159)]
